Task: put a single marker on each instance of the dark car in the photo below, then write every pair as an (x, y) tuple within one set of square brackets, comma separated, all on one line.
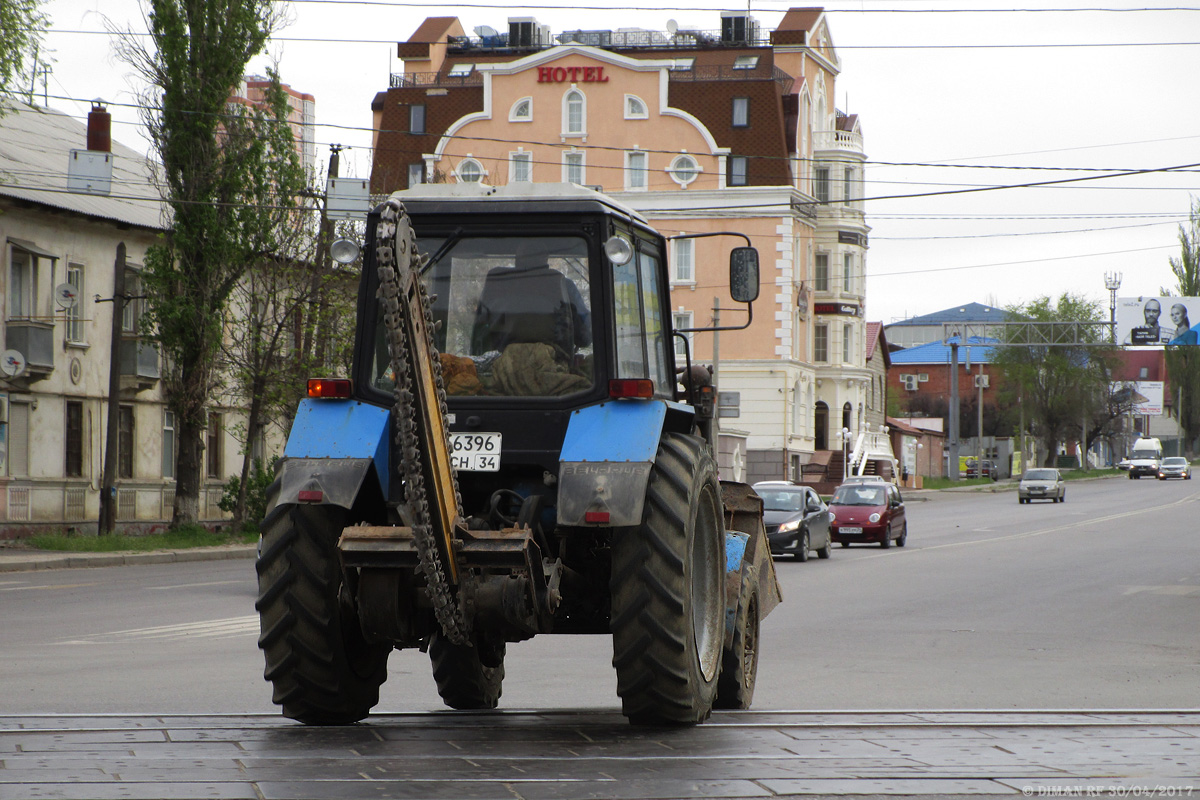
[(796, 519), (868, 513), (982, 469)]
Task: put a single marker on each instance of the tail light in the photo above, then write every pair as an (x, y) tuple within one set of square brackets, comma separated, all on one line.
[(631, 387), (330, 387)]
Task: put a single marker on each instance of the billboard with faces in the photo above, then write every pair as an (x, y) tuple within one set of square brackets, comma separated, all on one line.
[(1158, 320)]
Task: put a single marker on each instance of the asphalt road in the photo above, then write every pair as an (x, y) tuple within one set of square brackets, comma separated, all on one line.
[(1091, 604)]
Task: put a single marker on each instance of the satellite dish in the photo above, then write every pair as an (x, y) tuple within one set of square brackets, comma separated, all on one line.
[(12, 363), (672, 26), (66, 295)]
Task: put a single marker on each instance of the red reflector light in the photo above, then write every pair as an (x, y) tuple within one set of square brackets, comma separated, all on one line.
[(631, 387), (330, 387), (595, 516), (310, 496)]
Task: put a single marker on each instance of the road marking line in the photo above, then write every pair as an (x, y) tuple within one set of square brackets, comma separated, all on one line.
[(210, 629)]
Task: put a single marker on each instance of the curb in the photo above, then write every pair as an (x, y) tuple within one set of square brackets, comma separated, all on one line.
[(41, 560)]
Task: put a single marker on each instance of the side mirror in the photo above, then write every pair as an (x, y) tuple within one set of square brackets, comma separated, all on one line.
[(743, 274)]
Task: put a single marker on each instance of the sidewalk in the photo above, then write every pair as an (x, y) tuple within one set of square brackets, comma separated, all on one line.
[(18, 560)]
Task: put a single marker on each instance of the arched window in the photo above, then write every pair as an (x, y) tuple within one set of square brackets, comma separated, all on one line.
[(847, 415), (574, 113), (522, 110), (635, 108), (469, 171)]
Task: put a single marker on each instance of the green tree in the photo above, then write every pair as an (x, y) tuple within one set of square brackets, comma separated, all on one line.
[(1183, 362), (1057, 385), (228, 173), (22, 26)]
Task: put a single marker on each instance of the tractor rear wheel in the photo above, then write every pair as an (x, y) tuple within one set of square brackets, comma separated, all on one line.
[(463, 680), (667, 590), (323, 670)]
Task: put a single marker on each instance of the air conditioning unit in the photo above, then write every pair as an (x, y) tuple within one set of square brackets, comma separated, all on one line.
[(910, 382), (981, 381)]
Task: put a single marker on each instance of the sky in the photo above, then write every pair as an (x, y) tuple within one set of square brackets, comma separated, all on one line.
[(961, 109)]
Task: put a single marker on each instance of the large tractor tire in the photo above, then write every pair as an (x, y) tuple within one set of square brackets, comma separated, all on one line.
[(463, 680), (739, 662), (323, 670), (667, 590)]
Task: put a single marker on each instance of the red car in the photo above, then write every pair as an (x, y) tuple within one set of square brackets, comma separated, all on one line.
[(868, 513)]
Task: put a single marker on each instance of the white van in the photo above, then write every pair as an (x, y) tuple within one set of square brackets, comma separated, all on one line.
[(1144, 458)]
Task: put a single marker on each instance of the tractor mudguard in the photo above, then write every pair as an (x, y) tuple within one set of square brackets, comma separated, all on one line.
[(748, 563), (331, 449), (604, 465)]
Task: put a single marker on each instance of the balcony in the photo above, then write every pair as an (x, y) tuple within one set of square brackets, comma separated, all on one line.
[(35, 341), (838, 141), (139, 363)]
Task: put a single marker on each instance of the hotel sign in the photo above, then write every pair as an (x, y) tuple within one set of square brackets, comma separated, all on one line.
[(572, 74)]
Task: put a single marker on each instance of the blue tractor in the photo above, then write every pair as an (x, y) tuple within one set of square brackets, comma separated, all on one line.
[(516, 452)]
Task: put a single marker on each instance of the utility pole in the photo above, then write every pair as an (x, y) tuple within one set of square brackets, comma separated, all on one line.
[(316, 338), (952, 467), (108, 482)]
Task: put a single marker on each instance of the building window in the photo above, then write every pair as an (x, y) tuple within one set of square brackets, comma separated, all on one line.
[(741, 112), (635, 108), (520, 167), (469, 171), (684, 170), (683, 64), (745, 62), (74, 314), (416, 118), (125, 442), (847, 185), (683, 259), (212, 449), (17, 456), (847, 272), (131, 310), (522, 110), (635, 170), (821, 276), (821, 184), (574, 113), (821, 343), (847, 343), (679, 321), (74, 437), (460, 70), (168, 444), (416, 174), (573, 167), (22, 286), (738, 166)]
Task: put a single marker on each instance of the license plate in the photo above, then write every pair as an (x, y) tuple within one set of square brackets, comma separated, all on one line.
[(475, 452), (844, 529)]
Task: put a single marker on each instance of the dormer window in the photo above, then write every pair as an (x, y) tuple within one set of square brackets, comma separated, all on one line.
[(745, 62), (461, 70)]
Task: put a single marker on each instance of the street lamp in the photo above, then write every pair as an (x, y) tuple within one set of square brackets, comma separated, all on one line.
[(845, 436)]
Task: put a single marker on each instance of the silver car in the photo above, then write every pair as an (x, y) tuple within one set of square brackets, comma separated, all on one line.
[(1041, 484)]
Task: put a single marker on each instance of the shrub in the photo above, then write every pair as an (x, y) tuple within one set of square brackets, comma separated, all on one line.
[(256, 491)]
